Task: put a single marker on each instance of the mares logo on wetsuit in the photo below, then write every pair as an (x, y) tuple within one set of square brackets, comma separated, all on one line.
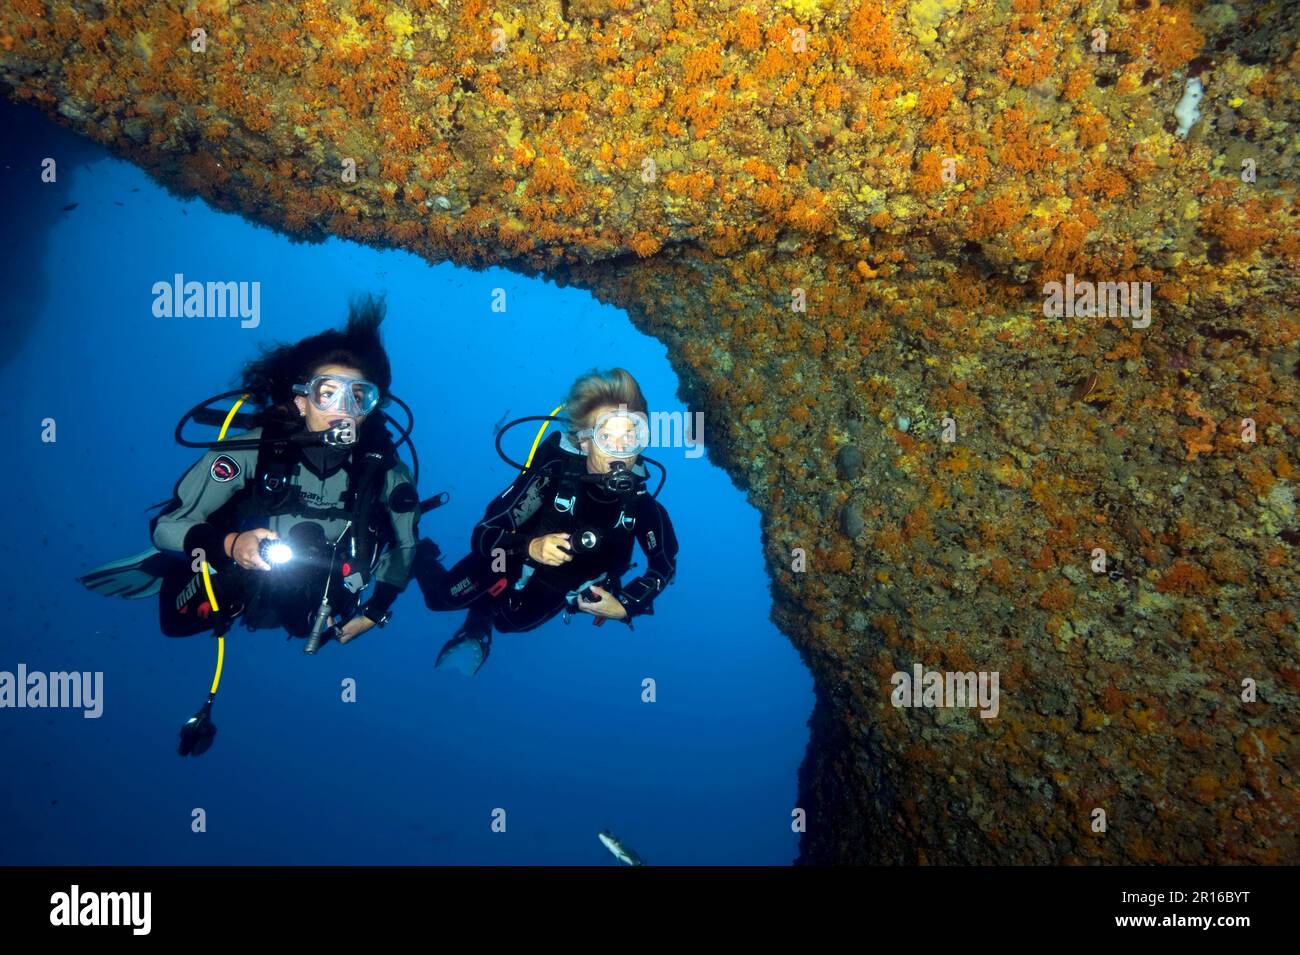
[(224, 469)]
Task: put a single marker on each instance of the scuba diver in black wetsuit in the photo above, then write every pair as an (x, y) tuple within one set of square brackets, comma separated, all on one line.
[(559, 539), (286, 524)]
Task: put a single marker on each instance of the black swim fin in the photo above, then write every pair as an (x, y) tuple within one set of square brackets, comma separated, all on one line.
[(132, 578), (468, 650)]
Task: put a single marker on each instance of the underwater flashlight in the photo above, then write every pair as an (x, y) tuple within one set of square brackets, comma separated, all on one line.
[(275, 551), (588, 539)]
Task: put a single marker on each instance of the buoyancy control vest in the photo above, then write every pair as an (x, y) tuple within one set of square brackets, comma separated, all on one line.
[(273, 497), (601, 525)]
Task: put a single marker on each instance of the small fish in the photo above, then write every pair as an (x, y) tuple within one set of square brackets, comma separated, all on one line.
[(496, 428), (1084, 388), (70, 206), (620, 851), (118, 203)]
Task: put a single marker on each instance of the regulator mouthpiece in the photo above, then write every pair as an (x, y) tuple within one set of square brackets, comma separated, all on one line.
[(343, 433)]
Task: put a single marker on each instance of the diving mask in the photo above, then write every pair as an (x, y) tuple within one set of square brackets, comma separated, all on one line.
[(350, 396), (619, 434)]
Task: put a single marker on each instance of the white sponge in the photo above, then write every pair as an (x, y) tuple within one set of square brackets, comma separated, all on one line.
[(1186, 111)]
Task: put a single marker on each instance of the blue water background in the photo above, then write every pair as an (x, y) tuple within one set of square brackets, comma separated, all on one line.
[(553, 730)]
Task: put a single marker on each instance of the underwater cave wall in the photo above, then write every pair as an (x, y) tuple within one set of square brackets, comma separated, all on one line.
[(844, 219)]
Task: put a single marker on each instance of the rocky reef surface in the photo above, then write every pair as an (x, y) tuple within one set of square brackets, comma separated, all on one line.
[(844, 218)]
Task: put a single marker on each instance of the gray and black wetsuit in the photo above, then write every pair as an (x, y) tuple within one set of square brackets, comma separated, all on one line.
[(311, 510)]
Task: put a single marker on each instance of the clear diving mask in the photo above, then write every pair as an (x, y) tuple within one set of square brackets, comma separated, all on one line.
[(619, 434), (349, 396)]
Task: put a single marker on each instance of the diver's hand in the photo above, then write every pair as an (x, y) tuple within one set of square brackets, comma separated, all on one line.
[(354, 628), (607, 607), (245, 549), (550, 549)]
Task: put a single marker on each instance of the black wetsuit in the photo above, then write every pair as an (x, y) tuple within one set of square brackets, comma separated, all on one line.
[(312, 508), (504, 587)]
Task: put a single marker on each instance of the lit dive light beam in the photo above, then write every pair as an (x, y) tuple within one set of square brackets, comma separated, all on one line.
[(276, 552)]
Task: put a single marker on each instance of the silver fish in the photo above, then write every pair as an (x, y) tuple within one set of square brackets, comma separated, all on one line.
[(620, 851), (500, 421)]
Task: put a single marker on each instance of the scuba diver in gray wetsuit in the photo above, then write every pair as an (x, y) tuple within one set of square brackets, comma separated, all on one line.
[(298, 515)]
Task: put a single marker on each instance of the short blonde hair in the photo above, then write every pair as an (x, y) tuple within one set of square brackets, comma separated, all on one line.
[(599, 389)]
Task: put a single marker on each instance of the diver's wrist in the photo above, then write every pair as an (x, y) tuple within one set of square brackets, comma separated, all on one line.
[(210, 544), (379, 607), (377, 617)]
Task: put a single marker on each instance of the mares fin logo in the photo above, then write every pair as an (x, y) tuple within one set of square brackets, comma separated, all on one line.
[(224, 469)]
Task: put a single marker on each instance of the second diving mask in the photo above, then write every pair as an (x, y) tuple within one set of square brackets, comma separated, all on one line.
[(619, 434), (350, 396)]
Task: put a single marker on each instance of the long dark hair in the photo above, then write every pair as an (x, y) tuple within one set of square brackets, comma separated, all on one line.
[(270, 378)]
